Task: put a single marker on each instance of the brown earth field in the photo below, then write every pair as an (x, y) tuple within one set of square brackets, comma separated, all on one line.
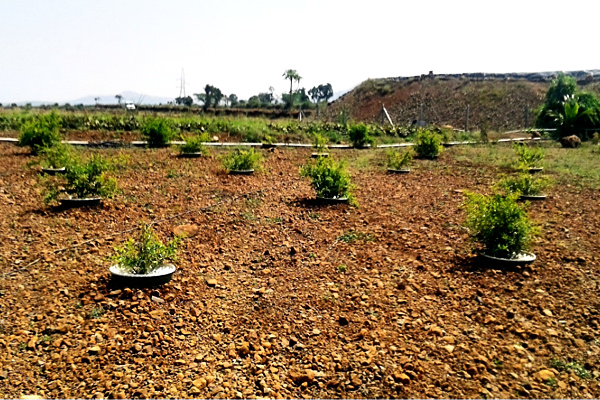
[(278, 296)]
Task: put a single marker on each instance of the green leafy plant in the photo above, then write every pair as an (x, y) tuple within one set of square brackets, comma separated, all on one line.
[(399, 160), (320, 143), (359, 136), (41, 132), (146, 253), (567, 118), (528, 157), (58, 156), (352, 236), (344, 116), (568, 110), (328, 177), (428, 144), (498, 223), (83, 180), (577, 368), (524, 184), (157, 131), (96, 312), (195, 144), (242, 160), (267, 140)]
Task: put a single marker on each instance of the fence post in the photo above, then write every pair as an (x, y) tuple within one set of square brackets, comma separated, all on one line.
[(467, 119)]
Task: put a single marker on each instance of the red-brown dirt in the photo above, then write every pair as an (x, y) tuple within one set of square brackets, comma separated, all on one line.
[(413, 315)]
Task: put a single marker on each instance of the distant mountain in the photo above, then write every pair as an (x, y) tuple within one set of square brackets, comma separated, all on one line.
[(128, 96), (337, 95)]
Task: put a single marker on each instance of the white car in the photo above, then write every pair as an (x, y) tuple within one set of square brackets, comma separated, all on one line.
[(130, 106)]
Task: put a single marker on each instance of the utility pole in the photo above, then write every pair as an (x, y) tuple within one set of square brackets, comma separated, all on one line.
[(182, 84), (467, 120)]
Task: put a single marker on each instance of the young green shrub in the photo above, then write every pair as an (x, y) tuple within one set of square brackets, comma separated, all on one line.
[(41, 132), (428, 144), (83, 180), (145, 254), (157, 131), (399, 160), (528, 157), (499, 224), (328, 177), (242, 160), (524, 184), (194, 144), (359, 136), (58, 156), (267, 140), (320, 143)]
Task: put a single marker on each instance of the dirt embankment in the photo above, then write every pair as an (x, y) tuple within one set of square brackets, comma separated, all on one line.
[(494, 104)]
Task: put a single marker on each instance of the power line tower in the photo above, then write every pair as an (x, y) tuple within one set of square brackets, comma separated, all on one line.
[(182, 84)]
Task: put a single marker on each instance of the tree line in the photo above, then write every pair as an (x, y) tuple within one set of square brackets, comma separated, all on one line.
[(213, 97)]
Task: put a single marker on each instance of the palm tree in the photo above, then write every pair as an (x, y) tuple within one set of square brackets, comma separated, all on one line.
[(567, 117), (292, 75)]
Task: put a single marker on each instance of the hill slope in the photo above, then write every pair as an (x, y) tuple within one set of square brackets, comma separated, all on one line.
[(499, 102)]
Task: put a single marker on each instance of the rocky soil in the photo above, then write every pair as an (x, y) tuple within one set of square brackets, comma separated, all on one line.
[(278, 296)]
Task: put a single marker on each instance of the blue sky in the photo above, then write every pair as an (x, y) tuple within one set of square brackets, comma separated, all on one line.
[(57, 51)]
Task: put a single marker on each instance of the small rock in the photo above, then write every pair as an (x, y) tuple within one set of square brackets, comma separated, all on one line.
[(355, 379), (200, 383), (547, 312), (186, 230), (449, 339), (571, 142), (244, 349), (299, 377), (343, 321), (316, 332), (260, 291), (402, 378), (157, 299), (436, 330), (449, 348), (211, 282), (545, 374), (94, 350), (562, 385)]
